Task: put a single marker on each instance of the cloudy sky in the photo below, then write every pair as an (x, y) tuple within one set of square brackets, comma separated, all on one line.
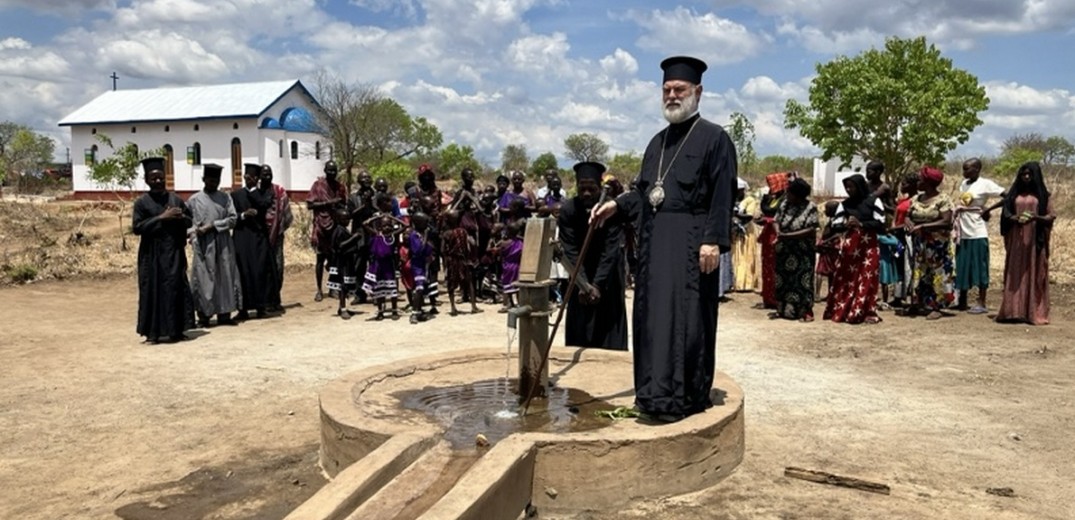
[(495, 72)]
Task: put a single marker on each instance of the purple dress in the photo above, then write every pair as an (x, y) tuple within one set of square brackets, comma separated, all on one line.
[(420, 253), (511, 255), (380, 281)]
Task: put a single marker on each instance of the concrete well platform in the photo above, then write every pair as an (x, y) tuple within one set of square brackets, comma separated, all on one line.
[(387, 461)]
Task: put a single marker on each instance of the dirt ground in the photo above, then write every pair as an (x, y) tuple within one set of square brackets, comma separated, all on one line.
[(98, 425)]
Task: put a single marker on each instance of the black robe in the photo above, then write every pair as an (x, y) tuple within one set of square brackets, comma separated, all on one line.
[(675, 311), (604, 324), (165, 303), (257, 268)]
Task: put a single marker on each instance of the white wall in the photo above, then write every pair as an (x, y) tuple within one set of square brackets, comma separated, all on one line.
[(829, 177), (214, 136)]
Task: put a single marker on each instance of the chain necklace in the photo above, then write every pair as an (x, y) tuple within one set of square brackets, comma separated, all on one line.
[(656, 193)]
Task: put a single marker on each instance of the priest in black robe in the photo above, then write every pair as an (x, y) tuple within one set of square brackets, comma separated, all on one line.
[(161, 219), (596, 309), (683, 198), (253, 253)]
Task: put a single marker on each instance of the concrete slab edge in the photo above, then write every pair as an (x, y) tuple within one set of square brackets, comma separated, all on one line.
[(358, 482), (499, 485)]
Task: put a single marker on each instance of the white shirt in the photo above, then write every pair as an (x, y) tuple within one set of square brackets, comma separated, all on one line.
[(974, 196)]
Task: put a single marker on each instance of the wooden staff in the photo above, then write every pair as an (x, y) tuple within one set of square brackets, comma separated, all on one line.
[(563, 306)]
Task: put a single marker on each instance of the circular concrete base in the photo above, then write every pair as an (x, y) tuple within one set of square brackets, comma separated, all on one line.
[(588, 470)]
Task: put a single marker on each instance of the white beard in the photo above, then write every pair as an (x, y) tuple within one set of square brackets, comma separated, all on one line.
[(687, 107)]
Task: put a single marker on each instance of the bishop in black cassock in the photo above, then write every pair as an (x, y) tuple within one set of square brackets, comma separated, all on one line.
[(683, 199)]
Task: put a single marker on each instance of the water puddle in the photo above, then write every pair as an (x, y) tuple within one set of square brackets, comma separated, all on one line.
[(491, 408)]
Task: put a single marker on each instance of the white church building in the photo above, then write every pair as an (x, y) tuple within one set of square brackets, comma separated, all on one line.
[(273, 122)]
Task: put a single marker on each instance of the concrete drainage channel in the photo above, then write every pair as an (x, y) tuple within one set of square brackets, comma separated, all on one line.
[(390, 462)]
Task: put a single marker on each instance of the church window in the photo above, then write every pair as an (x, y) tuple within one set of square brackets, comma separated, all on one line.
[(294, 149)]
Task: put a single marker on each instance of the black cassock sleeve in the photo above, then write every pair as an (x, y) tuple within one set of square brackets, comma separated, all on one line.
[(723, 179), (570, 241), (611, 251), (143, 220)]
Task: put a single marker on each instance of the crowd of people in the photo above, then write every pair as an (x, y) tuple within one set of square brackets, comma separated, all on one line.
[(375, 247), (914, 250)]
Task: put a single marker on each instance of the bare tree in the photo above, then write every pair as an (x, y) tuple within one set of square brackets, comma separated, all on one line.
[(344, 116)]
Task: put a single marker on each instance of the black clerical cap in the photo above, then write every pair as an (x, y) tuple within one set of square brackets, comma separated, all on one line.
[(252, 169), (589, 170), (683, 68), (152, 163), (212, 169)]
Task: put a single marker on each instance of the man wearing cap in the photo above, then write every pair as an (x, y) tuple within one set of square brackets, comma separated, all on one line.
[(326, 195), (596, 310), (214, 274), (683, 199), (257, 273), (161, 219)]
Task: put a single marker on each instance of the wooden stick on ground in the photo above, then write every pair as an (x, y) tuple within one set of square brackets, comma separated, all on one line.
[(822, 477)]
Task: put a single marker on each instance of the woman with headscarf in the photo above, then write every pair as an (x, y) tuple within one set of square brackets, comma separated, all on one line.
[(796, 229), (853, 296), (745, 241), (1026, 225), (929, 224), (770, 203)]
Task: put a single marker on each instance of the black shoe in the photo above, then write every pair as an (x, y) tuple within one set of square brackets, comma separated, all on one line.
[(242, 316)]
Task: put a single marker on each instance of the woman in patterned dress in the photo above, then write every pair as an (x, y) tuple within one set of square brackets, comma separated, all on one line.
[(929, 223), (796, 229), (853, 295)]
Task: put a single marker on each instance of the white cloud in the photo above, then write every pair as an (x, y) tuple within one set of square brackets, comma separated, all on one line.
[(540, 53), (716, 40), (14, 43), (619, 64)]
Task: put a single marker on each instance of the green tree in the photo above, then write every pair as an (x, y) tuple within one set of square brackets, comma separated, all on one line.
[(904, 105), (388, 133), (514, 158), (586, 147), (741, 130), (1009, 162), (453, 158), (395, 172), (625, 166), (22, 151), (118, 172), (543, 163)]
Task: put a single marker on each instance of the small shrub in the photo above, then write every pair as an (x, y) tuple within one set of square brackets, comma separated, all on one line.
[(22, 273)]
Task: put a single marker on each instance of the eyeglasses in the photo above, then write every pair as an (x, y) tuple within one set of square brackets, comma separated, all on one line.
[(677, 90)]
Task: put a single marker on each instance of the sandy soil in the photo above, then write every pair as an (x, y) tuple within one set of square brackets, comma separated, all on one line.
[(98, 425)]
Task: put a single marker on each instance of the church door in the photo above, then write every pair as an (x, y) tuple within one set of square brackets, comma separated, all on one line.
[(169, 168), (236, 162)]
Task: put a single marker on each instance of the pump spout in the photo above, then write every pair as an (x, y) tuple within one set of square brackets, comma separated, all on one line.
[(515, 312)]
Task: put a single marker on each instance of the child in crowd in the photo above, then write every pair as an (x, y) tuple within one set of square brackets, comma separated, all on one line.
[(510, 252), (828, 252), (341, 271), (380, 281), (458, 252), (904, 267), (421, 253)]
